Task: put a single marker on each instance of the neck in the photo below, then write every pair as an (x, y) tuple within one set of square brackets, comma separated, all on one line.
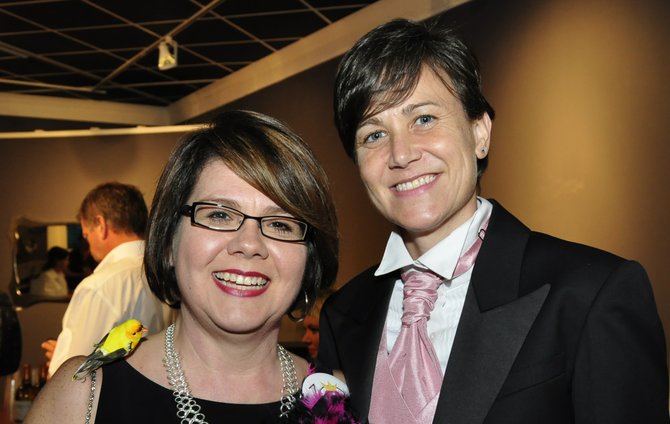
[(120, 238), (247, 391), (419, 242), (215, 361), (116, 239)]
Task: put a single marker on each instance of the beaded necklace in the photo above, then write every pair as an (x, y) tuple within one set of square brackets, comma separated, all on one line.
[(188, 410)]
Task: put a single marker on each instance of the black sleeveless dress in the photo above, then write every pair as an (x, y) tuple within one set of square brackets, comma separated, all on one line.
[(126, 396)]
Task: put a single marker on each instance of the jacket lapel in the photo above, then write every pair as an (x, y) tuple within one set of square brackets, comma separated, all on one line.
[(365, 325), (493, 325)]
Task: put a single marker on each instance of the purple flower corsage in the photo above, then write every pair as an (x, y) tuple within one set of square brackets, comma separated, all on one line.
[(325, 400)]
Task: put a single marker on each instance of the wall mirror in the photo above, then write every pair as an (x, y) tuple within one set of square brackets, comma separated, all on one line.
[(32, 241)]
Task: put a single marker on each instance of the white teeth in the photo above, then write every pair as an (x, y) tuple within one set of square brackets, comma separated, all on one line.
[(416, 183), (236, 280)]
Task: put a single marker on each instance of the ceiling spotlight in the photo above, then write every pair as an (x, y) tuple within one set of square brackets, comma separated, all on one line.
[(167, 54)]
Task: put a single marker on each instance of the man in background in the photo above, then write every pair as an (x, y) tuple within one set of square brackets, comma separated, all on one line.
[(113, 218)]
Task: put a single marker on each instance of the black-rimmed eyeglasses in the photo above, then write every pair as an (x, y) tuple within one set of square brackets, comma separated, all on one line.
[(223, 218)]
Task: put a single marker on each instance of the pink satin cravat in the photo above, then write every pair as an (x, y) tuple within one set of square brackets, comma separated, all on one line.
[(413, 361), (408, 380)]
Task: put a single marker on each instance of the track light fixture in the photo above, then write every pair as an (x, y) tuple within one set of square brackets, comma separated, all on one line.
[(167, 54)]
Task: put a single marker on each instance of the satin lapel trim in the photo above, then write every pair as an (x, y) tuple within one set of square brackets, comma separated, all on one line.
[(364, 332), (485, 348), (497, 270)]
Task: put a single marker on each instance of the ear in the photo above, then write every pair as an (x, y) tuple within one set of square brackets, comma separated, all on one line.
[(101, 224), (481, 128)]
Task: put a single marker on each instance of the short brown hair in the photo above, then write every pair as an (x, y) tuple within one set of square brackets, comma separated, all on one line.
[(383, 68), (268, 155), (121, 204)]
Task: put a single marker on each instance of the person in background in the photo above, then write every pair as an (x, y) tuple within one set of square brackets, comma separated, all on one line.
[(113, 219), (52, 281), (311, 325), (81, 264), (242, 231), (471, 317)]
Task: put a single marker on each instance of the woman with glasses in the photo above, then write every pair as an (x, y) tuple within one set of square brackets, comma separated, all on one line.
[(242, 230)]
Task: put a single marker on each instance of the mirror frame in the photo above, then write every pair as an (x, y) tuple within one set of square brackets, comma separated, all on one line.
[(27, 299)]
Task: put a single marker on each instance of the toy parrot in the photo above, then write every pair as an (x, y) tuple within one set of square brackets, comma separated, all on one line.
[(119, 342)]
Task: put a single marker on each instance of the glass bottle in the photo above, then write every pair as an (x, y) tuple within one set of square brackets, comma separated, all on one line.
[(25, 394), (44, 372)]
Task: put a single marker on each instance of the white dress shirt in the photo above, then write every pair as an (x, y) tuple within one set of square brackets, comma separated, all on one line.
[(116, 291), (441, 259), (50, 283)]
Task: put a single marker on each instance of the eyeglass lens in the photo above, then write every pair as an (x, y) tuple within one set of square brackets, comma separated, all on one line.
[(227, 219)]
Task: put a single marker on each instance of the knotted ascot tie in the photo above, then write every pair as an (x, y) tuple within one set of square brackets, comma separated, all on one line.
[(413, 361)]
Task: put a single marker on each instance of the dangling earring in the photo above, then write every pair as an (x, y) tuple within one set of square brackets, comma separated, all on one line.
[(305, 309)]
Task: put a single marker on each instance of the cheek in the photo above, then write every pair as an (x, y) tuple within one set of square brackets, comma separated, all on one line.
[(291, 262), (371, 177), (191, 252), (368, 167)]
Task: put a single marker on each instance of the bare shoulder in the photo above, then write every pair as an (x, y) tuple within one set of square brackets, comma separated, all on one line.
[(146, 360), (64, 397)]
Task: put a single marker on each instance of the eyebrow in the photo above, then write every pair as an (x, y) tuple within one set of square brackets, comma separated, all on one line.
[(268, 211), (222, 201), (368, 121), (407, 110), (412, 107)]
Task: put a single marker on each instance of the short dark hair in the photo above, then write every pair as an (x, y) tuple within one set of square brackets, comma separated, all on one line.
[(121, 204), (54, 255), (268, 155), (383, 68)]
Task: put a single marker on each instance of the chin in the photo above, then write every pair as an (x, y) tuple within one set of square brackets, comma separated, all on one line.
[(419, 228), (241, 329), (239, 324)]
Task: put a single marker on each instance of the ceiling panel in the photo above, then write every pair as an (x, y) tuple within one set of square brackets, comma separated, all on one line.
[(107, 50), (112, 43)]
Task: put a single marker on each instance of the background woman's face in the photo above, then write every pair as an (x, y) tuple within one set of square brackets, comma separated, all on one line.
[(311, 337), (61, 266)]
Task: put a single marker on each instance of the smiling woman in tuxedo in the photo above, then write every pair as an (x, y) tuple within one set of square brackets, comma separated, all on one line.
[(471, 317)]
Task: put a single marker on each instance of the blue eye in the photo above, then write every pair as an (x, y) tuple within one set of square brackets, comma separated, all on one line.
[(373, 137), (278, 226), (218, 215), (425, 119)]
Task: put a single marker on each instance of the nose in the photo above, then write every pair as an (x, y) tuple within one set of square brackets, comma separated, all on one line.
[(402, 151), (248, 240)]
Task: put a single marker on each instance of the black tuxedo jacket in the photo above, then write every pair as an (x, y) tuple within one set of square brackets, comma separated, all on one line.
[(551, 332)]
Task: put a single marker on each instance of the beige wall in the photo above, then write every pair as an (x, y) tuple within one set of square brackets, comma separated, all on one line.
[(45, 180), (579, 144)]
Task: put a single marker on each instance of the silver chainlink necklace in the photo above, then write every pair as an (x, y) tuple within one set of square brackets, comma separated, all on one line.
[(188, 410)]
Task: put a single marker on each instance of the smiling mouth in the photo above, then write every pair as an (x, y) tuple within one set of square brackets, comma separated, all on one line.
[(240, 282), (411, 185)]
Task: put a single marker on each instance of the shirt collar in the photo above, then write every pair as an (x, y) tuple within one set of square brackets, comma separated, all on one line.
[(129, 248), (442, 257)]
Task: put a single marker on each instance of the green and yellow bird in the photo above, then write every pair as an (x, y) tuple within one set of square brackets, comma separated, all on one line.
[(119, 342)]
